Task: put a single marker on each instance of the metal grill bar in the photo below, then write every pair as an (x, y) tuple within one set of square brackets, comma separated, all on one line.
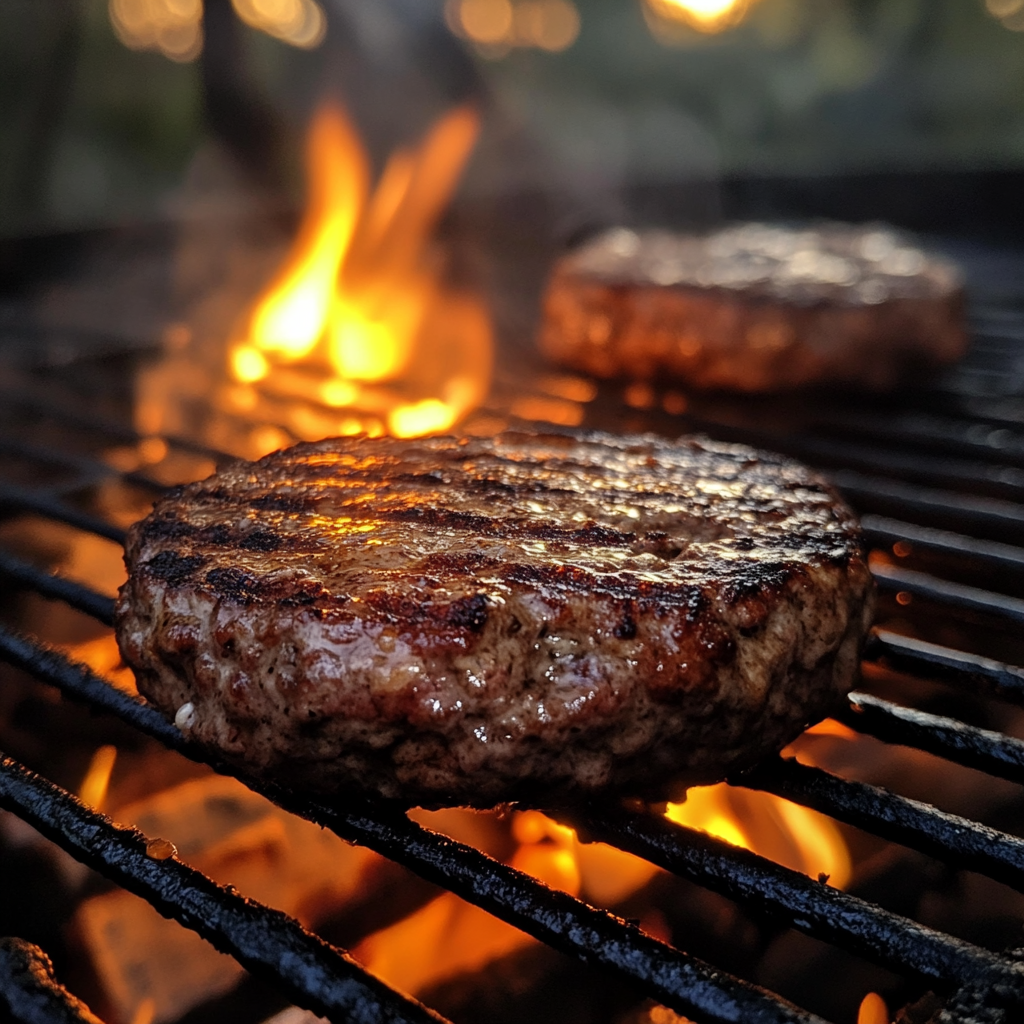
[(965, 437), (1007, 481), (986, 514), (563, 922), (984, 749), (91, 469), (971, 671), (893, 578), (812, 907), (116, 431), (30, 992), (953, 839), (51, 508), (265, 941), (58, 588), (885, 530)]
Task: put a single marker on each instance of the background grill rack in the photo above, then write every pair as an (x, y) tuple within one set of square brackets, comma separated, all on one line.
[(679, 981), (943, 472)]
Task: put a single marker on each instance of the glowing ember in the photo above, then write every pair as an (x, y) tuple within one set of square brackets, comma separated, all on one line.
[(357, 317), (703, 15)]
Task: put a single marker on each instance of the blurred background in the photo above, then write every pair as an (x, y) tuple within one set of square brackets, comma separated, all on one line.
[(107, 103)]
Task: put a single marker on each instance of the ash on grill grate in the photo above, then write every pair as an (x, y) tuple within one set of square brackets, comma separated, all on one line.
[(934, 893)]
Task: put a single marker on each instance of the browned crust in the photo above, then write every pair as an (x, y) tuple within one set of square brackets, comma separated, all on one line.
[(474, 621), (616, 323)]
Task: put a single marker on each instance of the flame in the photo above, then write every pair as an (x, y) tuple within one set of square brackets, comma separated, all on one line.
[(358, 303), (448, 937), (873, 1010), (784, 832), (93, 790), (708, 16), (104, 658)]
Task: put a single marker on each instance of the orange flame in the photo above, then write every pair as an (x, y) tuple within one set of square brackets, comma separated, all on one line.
[(93, 790), (104, 658), (358, 300), (784, 832), (873, 1010), (448, 937)]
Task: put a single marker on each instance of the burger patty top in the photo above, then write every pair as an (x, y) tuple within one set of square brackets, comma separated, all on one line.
[(472, 621)]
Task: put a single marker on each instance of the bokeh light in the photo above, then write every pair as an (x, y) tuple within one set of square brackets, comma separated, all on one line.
[(299, 22), (171, 27), (497, 26), (1009, 12), (175, 27), (707, 16)]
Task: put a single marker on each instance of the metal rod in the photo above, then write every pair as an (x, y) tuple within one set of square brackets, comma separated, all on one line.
[(885, 530), (929, 430), (682, 982), (58, 588), (90, 468), (268, 943), (30, 992), (956, 595), (953, 839), (984, 749), (812, 907), (112, 428), (1007, 481), (971, 671), (41, 504), (1004, 517)]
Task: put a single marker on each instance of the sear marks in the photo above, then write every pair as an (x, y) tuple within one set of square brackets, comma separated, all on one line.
[(472, 621)]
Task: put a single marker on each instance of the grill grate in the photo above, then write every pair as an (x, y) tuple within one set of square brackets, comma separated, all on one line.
[(943, 475)]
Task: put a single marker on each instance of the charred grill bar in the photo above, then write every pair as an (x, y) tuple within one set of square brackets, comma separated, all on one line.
[(921, 507)]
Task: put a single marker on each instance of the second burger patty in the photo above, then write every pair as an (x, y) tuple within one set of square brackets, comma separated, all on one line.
[(471, 621)]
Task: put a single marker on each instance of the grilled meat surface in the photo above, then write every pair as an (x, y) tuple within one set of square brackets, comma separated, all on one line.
[(755, 308), (472, 621)]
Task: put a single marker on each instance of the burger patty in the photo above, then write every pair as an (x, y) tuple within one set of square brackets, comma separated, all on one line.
[(755, 308), (472, 621)]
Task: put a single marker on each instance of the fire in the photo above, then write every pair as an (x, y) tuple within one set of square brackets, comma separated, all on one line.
[(93, 790), (448, 937), (357, 318), (873, 1010), (101, 654), (704, 15), (784, 832)]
